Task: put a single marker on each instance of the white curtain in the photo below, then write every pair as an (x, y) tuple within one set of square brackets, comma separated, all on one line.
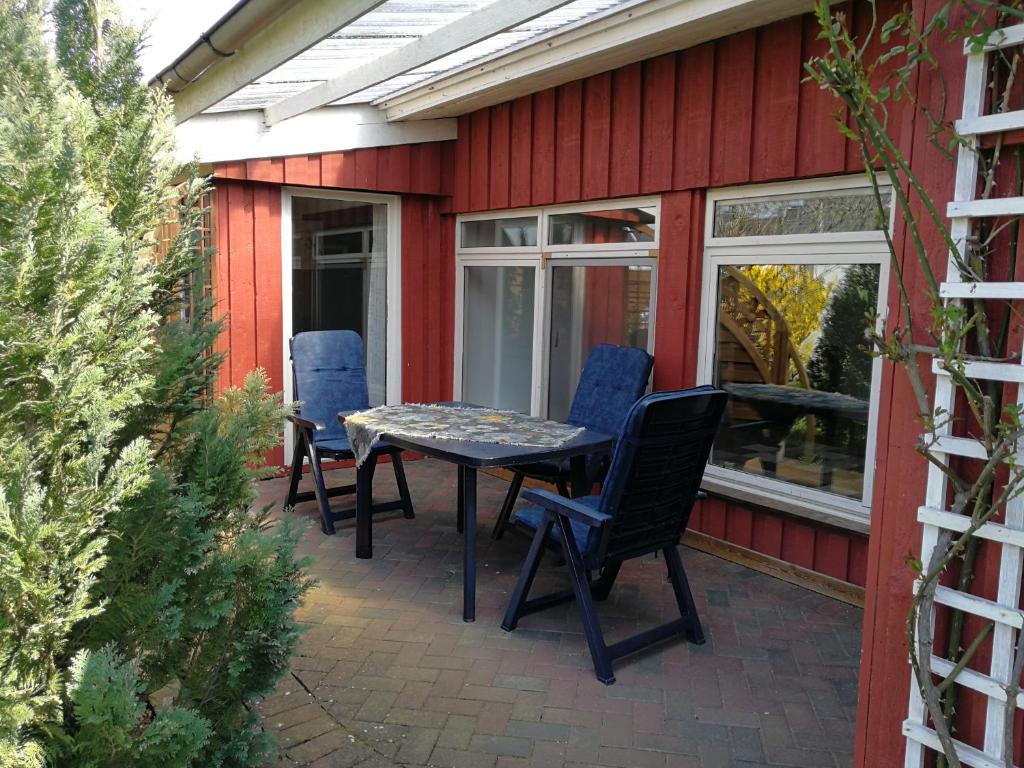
[(377, 308)]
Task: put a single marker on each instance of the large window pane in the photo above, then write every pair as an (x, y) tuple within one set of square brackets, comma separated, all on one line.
[(499, 233), (793, 353), (339, 275), (623, 225), (592, 305), (847, 210), (497, 353)]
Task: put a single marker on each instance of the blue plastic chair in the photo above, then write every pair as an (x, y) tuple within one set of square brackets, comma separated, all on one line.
[(613, 379), (329, 375), (644, 506)]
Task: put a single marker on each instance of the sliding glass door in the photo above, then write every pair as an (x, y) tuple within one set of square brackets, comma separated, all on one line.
[(592, 304), (498, 339), (537, 290)]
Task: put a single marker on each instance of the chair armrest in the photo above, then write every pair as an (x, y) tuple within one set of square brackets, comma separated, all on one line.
[(303, 422), (570, 508)]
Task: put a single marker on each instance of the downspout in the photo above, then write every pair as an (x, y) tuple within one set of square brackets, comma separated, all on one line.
[(229, 33)]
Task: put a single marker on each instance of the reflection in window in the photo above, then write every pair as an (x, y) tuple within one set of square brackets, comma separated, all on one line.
[(625, 225), (592, 305), (500, 233), (339, 275), (846, 210), (498, 341), (792, 351)]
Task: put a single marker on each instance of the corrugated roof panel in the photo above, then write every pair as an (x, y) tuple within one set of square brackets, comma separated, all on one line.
[(387, 28)]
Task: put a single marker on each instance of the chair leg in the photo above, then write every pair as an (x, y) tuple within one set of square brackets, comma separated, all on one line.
[(563, 489), (602, 588), (320, 489), (297, 454), (526, 576), (684, 598), (588, 613), (460, 512), (403, 486), (507, 506)]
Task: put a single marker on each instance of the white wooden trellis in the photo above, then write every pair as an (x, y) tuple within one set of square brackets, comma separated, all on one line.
[(1003, 611)]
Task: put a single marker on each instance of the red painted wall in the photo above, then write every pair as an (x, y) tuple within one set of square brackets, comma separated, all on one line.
[(247, 267)]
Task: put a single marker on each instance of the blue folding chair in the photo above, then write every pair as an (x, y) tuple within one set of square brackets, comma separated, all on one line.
[(644, 507), (613, 379), (329, 374)]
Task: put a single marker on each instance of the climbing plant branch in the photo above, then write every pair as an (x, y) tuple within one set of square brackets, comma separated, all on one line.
[(871, 75)]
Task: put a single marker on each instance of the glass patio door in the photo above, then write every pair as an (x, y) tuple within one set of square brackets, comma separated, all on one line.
[(498, 335), (339, 274), (592, 303), (537, 289)]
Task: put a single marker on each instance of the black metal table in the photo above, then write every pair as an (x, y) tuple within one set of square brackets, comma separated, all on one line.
[(471, 456)]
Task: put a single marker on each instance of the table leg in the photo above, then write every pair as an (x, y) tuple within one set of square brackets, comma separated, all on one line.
[(364, 508), (460, 509), (581, 481), (469, 546)]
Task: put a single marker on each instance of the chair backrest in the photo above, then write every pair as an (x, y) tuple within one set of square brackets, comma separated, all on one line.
[(613, 379), (329, 374), (657, 469)]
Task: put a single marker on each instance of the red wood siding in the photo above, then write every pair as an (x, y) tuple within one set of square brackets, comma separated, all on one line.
[(727, 112), (247, 283), (428, 300), (415, 169), (247, 267)]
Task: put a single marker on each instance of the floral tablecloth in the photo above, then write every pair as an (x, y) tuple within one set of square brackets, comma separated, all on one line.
[(453, 423)]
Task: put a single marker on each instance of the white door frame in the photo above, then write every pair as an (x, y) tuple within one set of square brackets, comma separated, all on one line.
[(393, 368)]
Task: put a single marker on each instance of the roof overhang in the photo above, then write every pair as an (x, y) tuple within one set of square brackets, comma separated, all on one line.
[(631, 34), (224, 136), (253, 38)]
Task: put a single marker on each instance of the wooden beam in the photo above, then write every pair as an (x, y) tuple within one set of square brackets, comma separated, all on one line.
[(477, 26), (637, 30), (304, 24), (224, 136)]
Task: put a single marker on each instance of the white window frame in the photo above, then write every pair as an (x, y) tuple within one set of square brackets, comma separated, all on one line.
[(393, 364), (824, 248), (541, 257), (521, 213), (597, 249)]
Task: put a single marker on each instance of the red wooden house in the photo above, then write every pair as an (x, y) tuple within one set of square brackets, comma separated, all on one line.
[(514, 185)]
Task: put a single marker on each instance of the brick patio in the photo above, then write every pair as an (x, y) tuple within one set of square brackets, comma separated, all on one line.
[(388, 673)]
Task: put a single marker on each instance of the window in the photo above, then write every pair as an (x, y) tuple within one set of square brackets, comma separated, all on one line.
[(499, 233), (794, 280), (498, 339), (538, 289), (340, 271), (592, 305)]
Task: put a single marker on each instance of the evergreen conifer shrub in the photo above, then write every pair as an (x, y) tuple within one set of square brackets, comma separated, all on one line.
[(143, 605)]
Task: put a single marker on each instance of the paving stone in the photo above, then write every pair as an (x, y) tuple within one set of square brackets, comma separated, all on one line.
[(417, 745), (538, 731), (512, 746), (336, 744)]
